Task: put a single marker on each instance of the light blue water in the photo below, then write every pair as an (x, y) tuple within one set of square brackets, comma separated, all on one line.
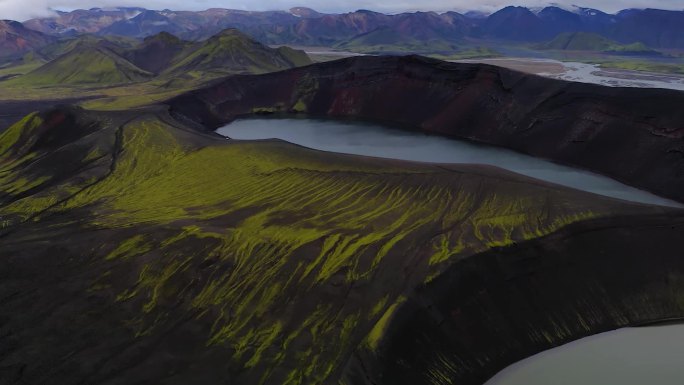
[(631, 356), (378, 141)]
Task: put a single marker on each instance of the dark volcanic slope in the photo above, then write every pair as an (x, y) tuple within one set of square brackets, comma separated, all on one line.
[(136, 250), (513, 302), (634, 135), (12, 111), (156, 53)]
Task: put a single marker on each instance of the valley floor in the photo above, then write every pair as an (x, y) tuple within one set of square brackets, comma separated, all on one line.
[(587, 72), (608, 73)]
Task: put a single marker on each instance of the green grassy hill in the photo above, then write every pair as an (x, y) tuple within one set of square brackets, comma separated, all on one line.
[(296, 57), (234, 52), (579, 41), (392, 41), (114, 73), (386, 40), (66, 45), (85, 65), (586, 41), (260, 261), (40, 56)]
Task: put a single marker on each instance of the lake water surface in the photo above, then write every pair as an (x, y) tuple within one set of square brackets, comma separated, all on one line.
[(378, 141), (632, 356)]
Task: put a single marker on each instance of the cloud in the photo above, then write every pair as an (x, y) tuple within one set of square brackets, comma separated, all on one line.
[(22, 9), (25, 9)]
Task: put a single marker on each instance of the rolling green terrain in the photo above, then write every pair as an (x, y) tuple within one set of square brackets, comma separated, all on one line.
[(642, 65), (233, 52), (20, 67), (97, 66), (115, 73), (391, 41), (285, 260), (66, 45), (593, 48), (579, 41), (140, 247)]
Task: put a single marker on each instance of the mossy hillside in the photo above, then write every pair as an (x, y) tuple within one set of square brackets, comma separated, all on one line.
[(26, 64), (9, 140), (118, 44), (639, 65), (578, 41), (233, 52), (58, 155), (298, 58), (96, 66), (390, 40), (284, 252), (468, 52), (108, 74), (586, 41)]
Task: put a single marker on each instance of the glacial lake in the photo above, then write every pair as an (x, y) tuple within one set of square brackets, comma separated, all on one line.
[(382, 142), (631, 356)]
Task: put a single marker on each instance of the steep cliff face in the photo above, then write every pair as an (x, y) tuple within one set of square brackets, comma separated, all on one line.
[(633, 135), (135, 249)]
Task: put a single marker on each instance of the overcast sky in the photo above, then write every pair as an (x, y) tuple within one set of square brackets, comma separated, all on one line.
[(24, 9)]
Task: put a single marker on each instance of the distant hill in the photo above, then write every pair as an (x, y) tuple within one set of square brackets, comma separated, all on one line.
[(420, 32), (231, 51), (98, 60), (81, 20), (305, 12), (16, 39), (586, 41), (655, 28), (514, 23), (557, 20), (144, 24), (86, 65), (156, 53), (330, 29), (579, 41), (67, 44), (389, 40), (295, 57)]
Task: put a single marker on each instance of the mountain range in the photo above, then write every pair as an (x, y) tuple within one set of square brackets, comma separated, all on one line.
[(652, 27), (90, 59), (16, 39)]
